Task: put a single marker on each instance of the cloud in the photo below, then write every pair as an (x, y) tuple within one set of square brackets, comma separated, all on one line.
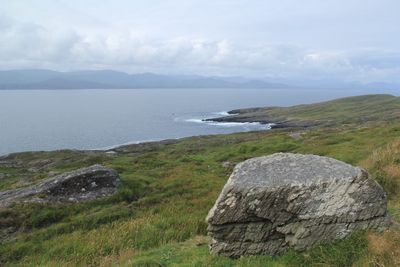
[(30, 45)]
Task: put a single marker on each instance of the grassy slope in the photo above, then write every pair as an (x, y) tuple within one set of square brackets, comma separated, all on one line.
[(175, 186), (356, 109), (351, 110)]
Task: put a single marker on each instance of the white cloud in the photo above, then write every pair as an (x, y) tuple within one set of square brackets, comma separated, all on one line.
[(30, 45)]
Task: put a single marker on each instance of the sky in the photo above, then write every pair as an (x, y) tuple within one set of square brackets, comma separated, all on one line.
[(344, 40)]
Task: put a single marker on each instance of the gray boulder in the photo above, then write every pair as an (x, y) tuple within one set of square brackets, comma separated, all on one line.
[(82, 184), (291, 201)]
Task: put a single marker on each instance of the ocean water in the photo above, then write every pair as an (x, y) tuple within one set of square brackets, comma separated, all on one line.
[(33, 120)]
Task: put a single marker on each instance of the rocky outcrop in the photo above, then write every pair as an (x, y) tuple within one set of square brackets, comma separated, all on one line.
[(82, 184), (273, 203), (263, 116)]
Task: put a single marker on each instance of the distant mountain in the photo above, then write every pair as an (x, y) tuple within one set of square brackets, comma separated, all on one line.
[(334, 83), (108, 79)]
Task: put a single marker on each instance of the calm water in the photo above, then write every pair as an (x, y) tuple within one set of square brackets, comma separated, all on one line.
[(89, 119)]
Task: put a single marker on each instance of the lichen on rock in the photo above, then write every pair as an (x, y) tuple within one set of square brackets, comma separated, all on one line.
[(82, 184), (274, 203)]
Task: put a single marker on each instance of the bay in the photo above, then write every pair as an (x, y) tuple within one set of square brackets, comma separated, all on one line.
[(32, 120)]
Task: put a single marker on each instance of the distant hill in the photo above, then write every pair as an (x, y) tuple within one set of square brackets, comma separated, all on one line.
[(108, 79)]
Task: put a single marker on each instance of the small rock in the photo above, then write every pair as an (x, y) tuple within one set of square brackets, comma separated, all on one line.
[(226, 164), (10, 163)]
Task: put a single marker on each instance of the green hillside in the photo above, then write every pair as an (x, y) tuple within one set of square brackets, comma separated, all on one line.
[(357, 109), (157, 217), (347, 110)]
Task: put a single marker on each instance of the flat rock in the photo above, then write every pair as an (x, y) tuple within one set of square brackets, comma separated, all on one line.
[(291, 201), (82, 184)]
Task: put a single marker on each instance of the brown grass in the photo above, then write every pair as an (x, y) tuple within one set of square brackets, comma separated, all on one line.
[(384, 164), (383, 249)]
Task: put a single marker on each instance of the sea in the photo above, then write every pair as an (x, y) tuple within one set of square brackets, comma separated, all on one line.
[(36, 120)]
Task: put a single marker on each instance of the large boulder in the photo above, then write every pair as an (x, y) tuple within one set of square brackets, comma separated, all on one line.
[(274, 203), (82, 184)]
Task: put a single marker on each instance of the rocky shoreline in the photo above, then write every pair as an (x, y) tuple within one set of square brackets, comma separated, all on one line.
[(261, 115), (349, 110)]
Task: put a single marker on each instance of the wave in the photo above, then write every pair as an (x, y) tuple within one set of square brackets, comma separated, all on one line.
[(127, 144), (221, 113), (246, 125)]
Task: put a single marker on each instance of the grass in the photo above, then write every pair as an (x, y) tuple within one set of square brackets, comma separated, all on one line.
[(384, 163), (349, 110), (157, 217)]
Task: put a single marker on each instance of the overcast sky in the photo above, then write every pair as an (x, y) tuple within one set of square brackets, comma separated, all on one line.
[(348, 40)]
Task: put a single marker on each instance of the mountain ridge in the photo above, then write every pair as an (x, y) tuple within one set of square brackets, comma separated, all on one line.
[(110, 79)]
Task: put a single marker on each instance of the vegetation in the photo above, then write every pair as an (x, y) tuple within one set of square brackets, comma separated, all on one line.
[(157, 218), (349, 110)]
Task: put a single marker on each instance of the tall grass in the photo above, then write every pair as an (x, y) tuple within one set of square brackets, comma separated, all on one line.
[(384, 164)]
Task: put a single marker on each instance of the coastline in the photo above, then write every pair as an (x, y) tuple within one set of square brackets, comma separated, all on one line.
[(261, 116), (144, 145), (159, 141), (322, 114)]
